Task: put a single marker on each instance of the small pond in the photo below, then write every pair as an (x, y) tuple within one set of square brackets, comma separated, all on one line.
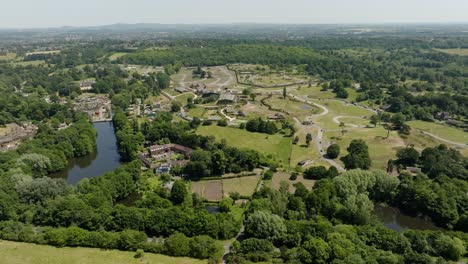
[(394, 219)]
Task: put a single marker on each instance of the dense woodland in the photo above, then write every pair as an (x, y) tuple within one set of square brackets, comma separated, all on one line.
[(331, 223)]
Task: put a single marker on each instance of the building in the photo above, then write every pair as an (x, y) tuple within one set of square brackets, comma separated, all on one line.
[(87, 85), (276, 117), (162, 151), (227, 99)]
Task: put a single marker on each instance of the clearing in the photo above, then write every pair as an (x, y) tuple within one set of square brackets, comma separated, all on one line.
[(284, 176), (277, 146), (25, 253)]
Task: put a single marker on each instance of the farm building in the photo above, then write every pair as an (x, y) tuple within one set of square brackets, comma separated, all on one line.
[(227, 98)]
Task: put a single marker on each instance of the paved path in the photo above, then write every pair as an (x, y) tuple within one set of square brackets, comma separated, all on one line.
[(319, 143)]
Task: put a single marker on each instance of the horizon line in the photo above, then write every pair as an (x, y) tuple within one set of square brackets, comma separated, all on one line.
[(348, 23)]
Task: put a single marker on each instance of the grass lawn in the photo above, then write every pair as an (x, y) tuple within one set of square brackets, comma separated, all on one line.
[(381, 149), (314, 92), (278, 146), (197, 112), (355, 121), (284, 176), (183, 98), (445, 132), (243, 185), (117, 55), (25, 253), (301, 152)]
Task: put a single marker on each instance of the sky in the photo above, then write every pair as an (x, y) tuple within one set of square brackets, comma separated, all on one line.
[(57, 13)]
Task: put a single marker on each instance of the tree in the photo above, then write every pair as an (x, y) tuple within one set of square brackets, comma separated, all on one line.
[(175, 106), (253, 96), (317, 251), (177, 245), (266, 225), (178, 192), (407, 156), (284, 92), (333, 151), (358, 155), (308, 139), (225, 204), (374, 120), (316, 173)]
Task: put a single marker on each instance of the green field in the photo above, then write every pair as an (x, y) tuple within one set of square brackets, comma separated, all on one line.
[(25, 253), (313, 92), (461, 52), (445, 132), (297, 109), (243, 185), (381, 149), (277, 145)]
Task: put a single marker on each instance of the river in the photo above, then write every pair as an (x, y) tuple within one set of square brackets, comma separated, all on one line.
[(394, 219), (106, 157)]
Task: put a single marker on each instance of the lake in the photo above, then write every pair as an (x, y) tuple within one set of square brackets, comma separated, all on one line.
[(106, 157), (394, 219)]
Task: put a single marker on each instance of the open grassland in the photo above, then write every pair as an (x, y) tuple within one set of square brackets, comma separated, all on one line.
[(221, 77), (445, 132), (8, 57), (294, 108), (25, 253), (272, 79), (313, 92), (354, 121), (255, 109), (117, 55), (300, 151), (381, 149), (284, 176), (278, 146), (461, 52), (338, 108), (245, 186)]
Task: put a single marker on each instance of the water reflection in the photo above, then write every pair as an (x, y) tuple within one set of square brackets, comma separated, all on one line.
[(106, 157), (394, 219)]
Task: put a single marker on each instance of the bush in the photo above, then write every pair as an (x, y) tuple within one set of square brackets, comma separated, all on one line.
[(268, 175), (222, 123), (207, 123), (139, 253), (293, 176)]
